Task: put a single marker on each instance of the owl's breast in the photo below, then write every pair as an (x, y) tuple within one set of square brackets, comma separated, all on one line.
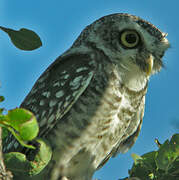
[(116, 118)]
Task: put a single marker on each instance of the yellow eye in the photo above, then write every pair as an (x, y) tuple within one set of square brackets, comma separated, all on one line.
[(130, 38)]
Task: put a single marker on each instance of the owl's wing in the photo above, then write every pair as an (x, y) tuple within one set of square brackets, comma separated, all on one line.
[(57, 89)]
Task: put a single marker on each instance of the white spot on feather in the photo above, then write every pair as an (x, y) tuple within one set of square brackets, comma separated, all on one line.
[(76, 81), (42, 102), (52, 103), (46, 94), (62, 83), (65, 104), (16, 144), (75, 87), (59, 94), (50, 111), (34, 109), (81, 69), (63, 72), (30, 101), (59, 105), (43, 121), (51, 119), (56, 84), (10, 144), (66, 76), (75, 93), (43, 113), (68, 97)]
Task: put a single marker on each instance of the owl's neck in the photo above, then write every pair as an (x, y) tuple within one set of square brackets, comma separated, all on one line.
[(133, 78)]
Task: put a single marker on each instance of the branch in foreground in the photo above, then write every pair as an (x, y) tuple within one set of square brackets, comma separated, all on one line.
[(4, 175)]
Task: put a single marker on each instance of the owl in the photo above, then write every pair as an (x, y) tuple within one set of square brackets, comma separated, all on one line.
[(90, 101)]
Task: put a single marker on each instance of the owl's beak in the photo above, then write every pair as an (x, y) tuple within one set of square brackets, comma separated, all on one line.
[(149, 67)]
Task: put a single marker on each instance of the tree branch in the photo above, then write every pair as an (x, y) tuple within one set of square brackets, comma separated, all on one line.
[(4, 175)]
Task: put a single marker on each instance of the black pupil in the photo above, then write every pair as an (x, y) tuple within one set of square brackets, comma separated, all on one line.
[(131, 38)]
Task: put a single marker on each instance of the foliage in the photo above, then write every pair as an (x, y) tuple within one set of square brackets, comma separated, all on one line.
[(32, 164), (158, 165), (21, 123)]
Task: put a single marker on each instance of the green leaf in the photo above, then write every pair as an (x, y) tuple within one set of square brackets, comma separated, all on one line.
[(136, 158), (23, 39), (24, 122), (20, 139), (163, 156), (1, 110), (18, 116), (149, 159), (3, 119), (29, 130)]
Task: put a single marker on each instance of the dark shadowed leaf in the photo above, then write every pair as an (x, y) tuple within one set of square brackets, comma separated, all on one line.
[(23, 39), (20, 165), (1, 98)]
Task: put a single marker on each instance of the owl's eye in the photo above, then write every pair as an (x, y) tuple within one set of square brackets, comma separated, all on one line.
[(129, 38)]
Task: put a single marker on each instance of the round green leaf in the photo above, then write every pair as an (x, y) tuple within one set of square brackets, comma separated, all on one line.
[(18, 116), (24, 122), (29, 129)]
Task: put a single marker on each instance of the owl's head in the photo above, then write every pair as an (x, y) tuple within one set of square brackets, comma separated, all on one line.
[(133, 44)]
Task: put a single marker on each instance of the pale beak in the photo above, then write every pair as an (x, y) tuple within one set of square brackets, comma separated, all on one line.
[(149, 66)]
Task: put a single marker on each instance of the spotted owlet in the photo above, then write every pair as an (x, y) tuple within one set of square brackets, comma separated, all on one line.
[(90, 102)]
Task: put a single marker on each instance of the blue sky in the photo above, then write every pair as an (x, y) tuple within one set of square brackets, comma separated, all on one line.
[(59, 23)]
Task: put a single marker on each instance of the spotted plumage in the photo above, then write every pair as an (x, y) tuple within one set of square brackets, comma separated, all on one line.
[(90, 101)]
